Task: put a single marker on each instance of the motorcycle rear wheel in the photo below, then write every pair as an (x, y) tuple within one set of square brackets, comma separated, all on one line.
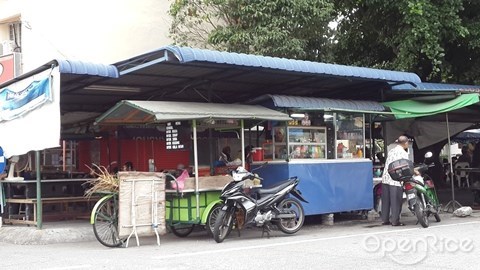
[(437, 217), (291, 225), (420, 213), (223, 225)]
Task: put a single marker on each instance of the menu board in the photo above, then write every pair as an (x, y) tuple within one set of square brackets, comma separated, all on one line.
[(177, 135)]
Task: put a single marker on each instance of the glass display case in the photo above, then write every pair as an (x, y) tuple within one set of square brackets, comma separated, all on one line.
[(350, 141), (307, 142)]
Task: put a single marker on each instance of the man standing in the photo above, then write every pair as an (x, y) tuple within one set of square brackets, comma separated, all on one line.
[(392, 191)]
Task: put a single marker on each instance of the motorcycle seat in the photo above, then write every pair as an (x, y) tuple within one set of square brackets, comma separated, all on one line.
[(275, 188)]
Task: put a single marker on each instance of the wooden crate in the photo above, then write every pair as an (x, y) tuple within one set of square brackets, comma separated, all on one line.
[(137, 203)]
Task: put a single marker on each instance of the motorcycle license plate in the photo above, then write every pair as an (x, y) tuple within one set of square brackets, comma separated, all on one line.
[(411, 196)]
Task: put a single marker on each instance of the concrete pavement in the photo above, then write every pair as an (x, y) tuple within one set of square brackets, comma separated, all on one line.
[(51, 233), (81, 230)]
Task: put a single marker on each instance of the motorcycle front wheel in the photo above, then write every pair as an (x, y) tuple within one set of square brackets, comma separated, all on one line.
[(223, 224), (212, 217), (294, 224), (420, 213)]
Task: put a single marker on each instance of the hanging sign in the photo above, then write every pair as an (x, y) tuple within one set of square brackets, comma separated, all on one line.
[(14, 104), (177, 135)]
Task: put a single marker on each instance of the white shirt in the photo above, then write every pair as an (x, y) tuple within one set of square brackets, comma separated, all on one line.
[(395, 153)]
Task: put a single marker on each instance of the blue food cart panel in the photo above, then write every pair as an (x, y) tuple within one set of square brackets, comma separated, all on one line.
[(329, 187)]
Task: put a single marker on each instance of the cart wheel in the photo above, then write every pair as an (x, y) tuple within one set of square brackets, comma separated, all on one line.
[(182, 230), (106, 223), (212, 216)]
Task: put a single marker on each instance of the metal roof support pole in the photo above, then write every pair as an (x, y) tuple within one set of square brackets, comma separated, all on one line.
[(39, 191), (453, 203), (242, 133), (195, 161), (146, 64), (212, 154)]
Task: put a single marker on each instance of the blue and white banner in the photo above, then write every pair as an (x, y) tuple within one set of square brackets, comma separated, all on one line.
[(30, 114), (16, 103)]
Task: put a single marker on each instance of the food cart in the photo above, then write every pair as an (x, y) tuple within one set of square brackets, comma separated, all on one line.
[(327, 147), (195, 202)]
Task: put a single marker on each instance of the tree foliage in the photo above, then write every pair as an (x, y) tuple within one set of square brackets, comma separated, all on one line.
[(437, 39), (283, 28)]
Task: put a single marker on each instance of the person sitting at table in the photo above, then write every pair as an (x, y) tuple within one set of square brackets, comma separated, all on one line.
[(464, 157), (225, 156), (475, 176), (127, 166)]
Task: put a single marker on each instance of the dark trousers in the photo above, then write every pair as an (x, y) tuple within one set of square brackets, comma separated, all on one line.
[(392, 197)]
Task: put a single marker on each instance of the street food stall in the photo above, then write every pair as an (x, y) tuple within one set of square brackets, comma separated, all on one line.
[(326, 146), (192, 202)]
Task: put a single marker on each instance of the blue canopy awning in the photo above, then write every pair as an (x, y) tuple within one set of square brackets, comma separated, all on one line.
[(87, 68), (323, 104), (188, 55), (437, 87), (73, 67)]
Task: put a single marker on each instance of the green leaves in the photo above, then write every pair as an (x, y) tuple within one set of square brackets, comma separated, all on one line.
[(284, 28), (437, 39)]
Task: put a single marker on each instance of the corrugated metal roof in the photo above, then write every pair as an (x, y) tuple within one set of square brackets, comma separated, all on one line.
[(186, 54), (437, 87), (87, 68), (73, 67), (134, 111), (311, 103)]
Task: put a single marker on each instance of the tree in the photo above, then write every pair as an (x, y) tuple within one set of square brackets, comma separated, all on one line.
[(283, 28), (438, 40)]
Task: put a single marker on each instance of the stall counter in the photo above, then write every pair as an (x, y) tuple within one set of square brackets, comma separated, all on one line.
[(329, 186)]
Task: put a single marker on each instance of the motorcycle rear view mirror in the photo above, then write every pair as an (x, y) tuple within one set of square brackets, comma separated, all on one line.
[(259, 167)]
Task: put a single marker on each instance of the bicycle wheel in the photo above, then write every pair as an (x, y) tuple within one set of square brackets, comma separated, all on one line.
[(182, 230), (105, 226)]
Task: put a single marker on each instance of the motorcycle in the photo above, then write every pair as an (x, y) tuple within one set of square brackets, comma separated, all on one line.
[(261, 208), (419, 188)]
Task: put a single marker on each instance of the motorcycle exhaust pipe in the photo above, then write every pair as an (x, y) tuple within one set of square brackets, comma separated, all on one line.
[(286, 216)]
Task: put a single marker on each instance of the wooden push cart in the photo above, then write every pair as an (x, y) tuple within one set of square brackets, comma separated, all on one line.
[(196, 204)]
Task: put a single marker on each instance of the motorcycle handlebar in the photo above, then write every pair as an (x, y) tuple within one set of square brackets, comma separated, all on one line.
[(414, 181)]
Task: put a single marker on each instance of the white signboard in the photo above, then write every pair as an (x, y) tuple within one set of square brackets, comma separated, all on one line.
[(30, 114)]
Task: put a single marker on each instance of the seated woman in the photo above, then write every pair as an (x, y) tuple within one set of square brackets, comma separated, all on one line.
[(225, 157)]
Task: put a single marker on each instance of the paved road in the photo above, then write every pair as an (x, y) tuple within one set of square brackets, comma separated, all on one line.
[(349, 244)]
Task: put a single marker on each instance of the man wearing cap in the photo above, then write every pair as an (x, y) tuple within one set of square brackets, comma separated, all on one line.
[(392, 191)]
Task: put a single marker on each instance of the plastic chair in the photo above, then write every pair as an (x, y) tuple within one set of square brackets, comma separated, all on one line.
[(460, 175)]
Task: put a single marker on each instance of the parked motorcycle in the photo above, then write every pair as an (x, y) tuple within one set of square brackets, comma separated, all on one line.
[(261, 208), (421, 194)]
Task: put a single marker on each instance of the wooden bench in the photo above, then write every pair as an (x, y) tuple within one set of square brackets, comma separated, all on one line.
[(62, 213)]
